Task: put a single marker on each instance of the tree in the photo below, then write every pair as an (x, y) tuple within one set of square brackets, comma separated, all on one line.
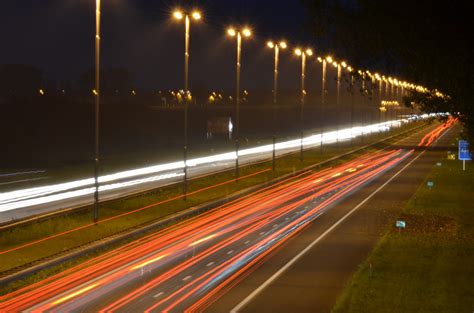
[(426, 42)]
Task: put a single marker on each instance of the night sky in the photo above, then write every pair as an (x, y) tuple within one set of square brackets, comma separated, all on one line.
[(58, 37)]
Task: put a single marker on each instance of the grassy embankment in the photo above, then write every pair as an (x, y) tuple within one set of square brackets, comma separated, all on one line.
[(429, 266)]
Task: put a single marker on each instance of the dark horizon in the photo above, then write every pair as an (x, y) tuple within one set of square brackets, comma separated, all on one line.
[(142, 37)]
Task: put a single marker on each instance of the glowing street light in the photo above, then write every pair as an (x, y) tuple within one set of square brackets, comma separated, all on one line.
[(276, 47), (232, 32), (180, 15), (246, 32), (196, 15), (303, 54)]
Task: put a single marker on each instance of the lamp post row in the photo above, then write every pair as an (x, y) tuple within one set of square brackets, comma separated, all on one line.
[(238, 34)]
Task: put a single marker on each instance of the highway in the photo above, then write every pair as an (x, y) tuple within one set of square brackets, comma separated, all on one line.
[(18, 204), (311, 270), (188, 266)]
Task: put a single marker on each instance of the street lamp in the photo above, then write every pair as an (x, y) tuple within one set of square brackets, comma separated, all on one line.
[(97, 106), (232, 32), (338, 81), (392, 111), (179, 15), (338, 89), (379, 102), (303, 54), (276, 47), (386, 113), (350, 70), (324, 62)]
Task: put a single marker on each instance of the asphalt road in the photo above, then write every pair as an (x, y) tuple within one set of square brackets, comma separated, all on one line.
[(189, 265), (292, 281)]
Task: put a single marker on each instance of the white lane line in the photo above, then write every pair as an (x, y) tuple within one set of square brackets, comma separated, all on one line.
[(262, 233), (247, 242), (187, 277), (229, 252), (158, 294), (275, 225), (210, 264), (305, 250)]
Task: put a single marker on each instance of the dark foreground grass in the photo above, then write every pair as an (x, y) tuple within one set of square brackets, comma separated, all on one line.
[(428, 267), (25, 234)]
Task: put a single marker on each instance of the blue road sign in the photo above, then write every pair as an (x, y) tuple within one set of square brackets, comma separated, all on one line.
[(464, 153), (400, 224)]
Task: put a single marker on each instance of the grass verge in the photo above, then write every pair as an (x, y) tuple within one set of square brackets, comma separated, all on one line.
[(428, 267)]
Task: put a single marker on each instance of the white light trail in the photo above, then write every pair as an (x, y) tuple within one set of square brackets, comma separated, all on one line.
[(57, 192)]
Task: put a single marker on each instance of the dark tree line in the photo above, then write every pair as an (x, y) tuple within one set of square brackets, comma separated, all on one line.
[(426, 42)]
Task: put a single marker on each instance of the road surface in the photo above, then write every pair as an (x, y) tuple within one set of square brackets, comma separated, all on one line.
[(189, 265), (311, 281)]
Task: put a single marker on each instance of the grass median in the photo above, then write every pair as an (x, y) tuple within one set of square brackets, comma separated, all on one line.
[(119, 222), (427, 267)]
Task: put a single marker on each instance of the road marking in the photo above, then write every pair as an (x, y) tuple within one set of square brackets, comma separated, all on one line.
[(187, 277), (229, 252), (275, 225), (247, 242), (262, 233), (311, 245), (158, 294), (210, 264)]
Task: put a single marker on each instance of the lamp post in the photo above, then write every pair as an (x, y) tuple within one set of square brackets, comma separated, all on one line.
[(303, 54), (338, 67), (325, 62), (350, 69), (385, 113), (364, 113), (179, 15), (246, 32), (379, 98), (391, 99), (372, 91), (338, 86), (276, 47), (342, 65), (97, 106)]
